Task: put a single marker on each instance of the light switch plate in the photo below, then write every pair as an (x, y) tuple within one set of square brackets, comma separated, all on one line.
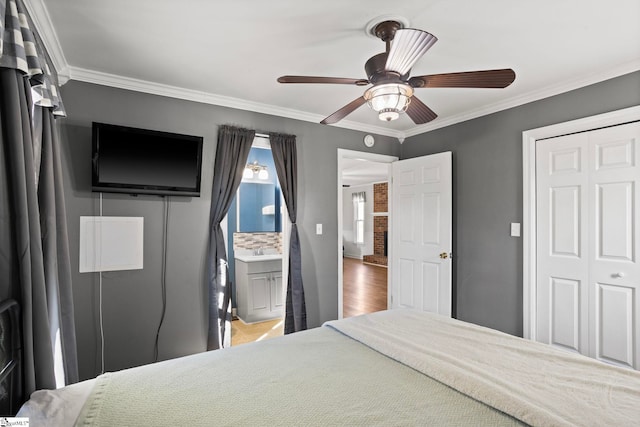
[(318, 229), (515, 229)]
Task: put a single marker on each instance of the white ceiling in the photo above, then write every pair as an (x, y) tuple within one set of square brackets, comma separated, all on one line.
[(231, 52), (361, 171)]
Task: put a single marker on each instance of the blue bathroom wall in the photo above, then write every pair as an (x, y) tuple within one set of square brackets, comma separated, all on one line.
[(254, 195)]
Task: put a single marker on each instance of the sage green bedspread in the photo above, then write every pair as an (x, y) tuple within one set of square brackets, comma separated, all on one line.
[(314, 378), (392, 368)]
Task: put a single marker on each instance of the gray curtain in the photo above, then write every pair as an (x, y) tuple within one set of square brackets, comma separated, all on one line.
[(283, 148), (55, 241), (34, 255), (232, 152), (33, 271)]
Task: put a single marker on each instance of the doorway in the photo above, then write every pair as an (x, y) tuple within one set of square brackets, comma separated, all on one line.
[(367, 291), (256, 248), (419, 230)]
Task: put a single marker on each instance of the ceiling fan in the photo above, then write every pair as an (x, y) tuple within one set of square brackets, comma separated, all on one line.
[(392, 92)]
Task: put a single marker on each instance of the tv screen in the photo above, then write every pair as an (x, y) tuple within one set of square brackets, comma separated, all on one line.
[(141, 161)]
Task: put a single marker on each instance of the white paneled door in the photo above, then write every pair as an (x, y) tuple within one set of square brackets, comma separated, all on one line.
[(421, 233), (588, 242)]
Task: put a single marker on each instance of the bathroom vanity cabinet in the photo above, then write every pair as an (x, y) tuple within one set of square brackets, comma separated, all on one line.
[(259, 288)]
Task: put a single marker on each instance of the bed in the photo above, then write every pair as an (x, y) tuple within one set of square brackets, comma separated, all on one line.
[(397, 367)]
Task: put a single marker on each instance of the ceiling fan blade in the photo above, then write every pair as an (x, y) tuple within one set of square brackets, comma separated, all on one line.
[(344, 111), (329, 80), (478, 79), (419, 112), (407, 47)]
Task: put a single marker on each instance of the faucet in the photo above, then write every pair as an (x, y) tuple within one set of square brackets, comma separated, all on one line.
[(258, 251)]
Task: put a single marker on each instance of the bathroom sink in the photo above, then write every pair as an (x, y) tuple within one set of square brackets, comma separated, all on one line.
[(255, 258)]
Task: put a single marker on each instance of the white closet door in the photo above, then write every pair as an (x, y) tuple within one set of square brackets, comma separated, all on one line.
[(562, 276), (614, 244), (588, 214)]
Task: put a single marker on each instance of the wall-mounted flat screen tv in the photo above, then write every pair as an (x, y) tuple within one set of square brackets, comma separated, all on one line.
[(142, 161)]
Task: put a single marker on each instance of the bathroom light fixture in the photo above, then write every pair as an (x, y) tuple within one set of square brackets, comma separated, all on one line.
[(389, 100), (254, 168)]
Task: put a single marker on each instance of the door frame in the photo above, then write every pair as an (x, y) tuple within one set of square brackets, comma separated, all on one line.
[(372, 157), (529, 220)]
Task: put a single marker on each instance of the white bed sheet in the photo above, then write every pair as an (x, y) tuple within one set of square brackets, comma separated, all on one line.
[(57, 407)]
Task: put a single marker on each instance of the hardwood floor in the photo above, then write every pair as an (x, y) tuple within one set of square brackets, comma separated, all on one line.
[(364, 288), (242, 333)]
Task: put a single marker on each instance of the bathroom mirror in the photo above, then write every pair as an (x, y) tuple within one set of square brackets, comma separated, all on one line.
[(258, 207)]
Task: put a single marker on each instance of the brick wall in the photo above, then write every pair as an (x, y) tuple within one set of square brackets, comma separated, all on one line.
[(380, 224), (380, 197)]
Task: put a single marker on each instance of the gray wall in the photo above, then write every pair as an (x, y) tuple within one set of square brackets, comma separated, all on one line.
[(487, 179), (132, 299)]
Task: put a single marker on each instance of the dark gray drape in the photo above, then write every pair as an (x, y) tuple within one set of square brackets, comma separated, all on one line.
[(283, 148), (35, 267), (232, 152), (55, 241)]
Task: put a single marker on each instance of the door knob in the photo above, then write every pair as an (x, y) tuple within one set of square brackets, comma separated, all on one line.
[(444, 255), (619, 275)]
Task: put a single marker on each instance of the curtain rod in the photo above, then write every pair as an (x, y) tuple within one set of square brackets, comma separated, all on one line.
[(262, 135)]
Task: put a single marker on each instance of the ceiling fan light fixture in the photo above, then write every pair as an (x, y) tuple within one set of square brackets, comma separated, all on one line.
[(407, 48), (388, 115), (389, 100)]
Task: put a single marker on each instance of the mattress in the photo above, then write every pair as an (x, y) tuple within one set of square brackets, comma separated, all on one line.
[(399, 367)]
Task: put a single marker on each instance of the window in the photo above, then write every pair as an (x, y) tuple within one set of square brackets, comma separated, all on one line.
[(358, 217)]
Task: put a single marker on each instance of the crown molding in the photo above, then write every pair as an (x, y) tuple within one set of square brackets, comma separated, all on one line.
[(44, 27), (137, 85), (536, 95), (112, 80)]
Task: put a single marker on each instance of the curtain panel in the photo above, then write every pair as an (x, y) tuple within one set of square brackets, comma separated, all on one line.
[(21, 49), (232, 152), (34, 254), (358, 200), (359, 197), (283, 148)]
